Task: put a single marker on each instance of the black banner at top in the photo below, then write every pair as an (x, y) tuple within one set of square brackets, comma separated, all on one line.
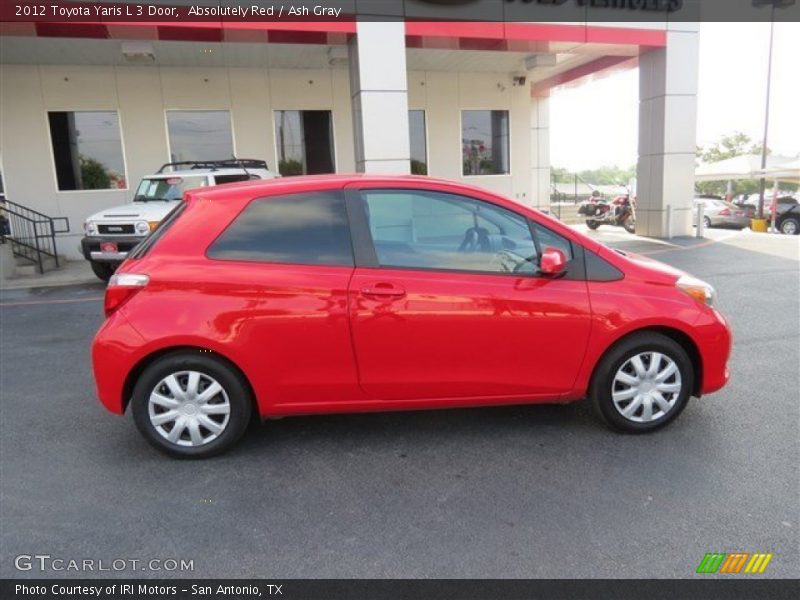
[(571, 11)]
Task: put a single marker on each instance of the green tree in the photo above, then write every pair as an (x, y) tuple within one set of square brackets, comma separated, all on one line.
[(93, 174), (729, 146), (612, 175)]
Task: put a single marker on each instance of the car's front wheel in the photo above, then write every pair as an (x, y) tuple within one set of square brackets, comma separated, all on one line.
[(103, 270), (191, 405), (642, 383)]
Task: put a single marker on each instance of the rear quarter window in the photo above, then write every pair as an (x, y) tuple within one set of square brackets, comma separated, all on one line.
[(308, 229)]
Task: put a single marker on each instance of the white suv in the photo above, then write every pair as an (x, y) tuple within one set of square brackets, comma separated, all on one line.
[(112, 233)]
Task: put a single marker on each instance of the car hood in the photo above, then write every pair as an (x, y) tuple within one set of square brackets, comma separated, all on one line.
[(135, 211)]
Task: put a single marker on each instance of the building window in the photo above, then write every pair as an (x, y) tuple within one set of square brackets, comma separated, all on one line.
[(419, 142), (199, 135), (304, 139), (484, 141), (303, 229), (87, 150)]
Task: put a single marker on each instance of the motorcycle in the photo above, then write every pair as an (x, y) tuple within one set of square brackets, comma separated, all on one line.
[(620, 212)]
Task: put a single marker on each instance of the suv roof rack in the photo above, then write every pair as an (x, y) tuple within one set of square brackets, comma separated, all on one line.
[(212, 165)]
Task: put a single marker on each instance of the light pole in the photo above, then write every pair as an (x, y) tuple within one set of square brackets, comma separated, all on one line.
[(773, 4)]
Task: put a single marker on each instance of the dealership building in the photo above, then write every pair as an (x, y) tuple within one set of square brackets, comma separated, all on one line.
[(88, 109)]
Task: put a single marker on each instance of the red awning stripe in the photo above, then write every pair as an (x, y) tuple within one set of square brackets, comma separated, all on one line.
[(463, 35)]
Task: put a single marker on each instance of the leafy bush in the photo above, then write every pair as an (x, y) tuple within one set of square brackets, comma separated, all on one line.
[(418, 167), (289, 167), (94, 175)]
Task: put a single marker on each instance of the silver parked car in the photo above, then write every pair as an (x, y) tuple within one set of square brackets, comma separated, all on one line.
[(718, 213)]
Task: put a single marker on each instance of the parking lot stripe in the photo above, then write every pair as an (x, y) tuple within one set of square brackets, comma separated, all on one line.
[(65, 301)]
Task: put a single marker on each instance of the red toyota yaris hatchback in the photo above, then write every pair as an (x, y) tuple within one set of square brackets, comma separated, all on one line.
[(364, 293)]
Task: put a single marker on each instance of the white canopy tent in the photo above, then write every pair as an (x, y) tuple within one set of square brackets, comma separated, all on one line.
[(787, 172), (747, 166)]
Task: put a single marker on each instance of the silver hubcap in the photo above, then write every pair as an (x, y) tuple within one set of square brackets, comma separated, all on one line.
[(790, 227), (646, 387), (189, 408)]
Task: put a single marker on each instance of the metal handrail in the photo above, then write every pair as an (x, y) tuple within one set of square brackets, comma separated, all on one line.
[(32, 234)]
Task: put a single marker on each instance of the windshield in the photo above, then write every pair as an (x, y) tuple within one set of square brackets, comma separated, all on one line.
[(167, 189)]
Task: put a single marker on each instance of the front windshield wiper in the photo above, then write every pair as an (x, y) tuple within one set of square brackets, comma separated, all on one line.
[(150, 199)]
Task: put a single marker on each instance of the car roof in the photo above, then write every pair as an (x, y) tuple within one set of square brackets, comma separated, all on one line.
[(302, 182)]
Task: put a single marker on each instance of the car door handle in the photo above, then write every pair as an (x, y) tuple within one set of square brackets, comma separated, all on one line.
[(383, 290)]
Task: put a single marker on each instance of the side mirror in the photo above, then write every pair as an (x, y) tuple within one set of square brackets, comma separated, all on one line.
[(553, 261)]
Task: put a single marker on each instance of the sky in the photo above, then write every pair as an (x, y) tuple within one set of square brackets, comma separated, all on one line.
[(731, 97)]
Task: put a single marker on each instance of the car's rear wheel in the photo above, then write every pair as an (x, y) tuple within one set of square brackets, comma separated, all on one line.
[(103, 270), (707, 222), (790, 226), (593, 225), (191, 405), (642, 383)]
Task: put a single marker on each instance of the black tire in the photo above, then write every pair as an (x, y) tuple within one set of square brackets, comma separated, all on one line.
[(103, 270), (593, 225), (600, 390), (790, 226), (707, 222), (233, 383), (630, 225)]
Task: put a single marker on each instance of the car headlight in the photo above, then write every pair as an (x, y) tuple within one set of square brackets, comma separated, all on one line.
[(142, 228), (90, 228), (699, 290)]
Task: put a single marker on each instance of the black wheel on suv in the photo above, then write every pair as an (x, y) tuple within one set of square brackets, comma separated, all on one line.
[(103, 270), (191, 404), (642, 383), (790, 226)]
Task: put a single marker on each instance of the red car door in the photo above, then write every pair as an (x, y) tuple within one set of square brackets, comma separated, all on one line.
[(446, 300), (282, 270)]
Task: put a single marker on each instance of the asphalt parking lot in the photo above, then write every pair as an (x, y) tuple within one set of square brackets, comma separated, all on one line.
[(541, 491)]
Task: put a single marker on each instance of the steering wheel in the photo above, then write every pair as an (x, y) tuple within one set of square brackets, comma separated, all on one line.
[(510, 262), (476, 239)]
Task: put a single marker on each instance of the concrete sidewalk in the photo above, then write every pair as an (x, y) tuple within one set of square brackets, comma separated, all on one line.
[(71, 272)]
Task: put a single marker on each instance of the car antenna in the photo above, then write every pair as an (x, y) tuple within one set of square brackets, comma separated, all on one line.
[(241, 164)]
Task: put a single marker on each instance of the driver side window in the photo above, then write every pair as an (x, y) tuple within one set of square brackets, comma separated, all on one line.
[(432, 230)]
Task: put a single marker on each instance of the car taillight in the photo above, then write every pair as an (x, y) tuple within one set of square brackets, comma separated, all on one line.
[(121, 288), (725, 212)]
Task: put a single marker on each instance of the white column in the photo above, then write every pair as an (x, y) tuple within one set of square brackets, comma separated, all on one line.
[(667, 134), (540, 153), (379, 89)]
